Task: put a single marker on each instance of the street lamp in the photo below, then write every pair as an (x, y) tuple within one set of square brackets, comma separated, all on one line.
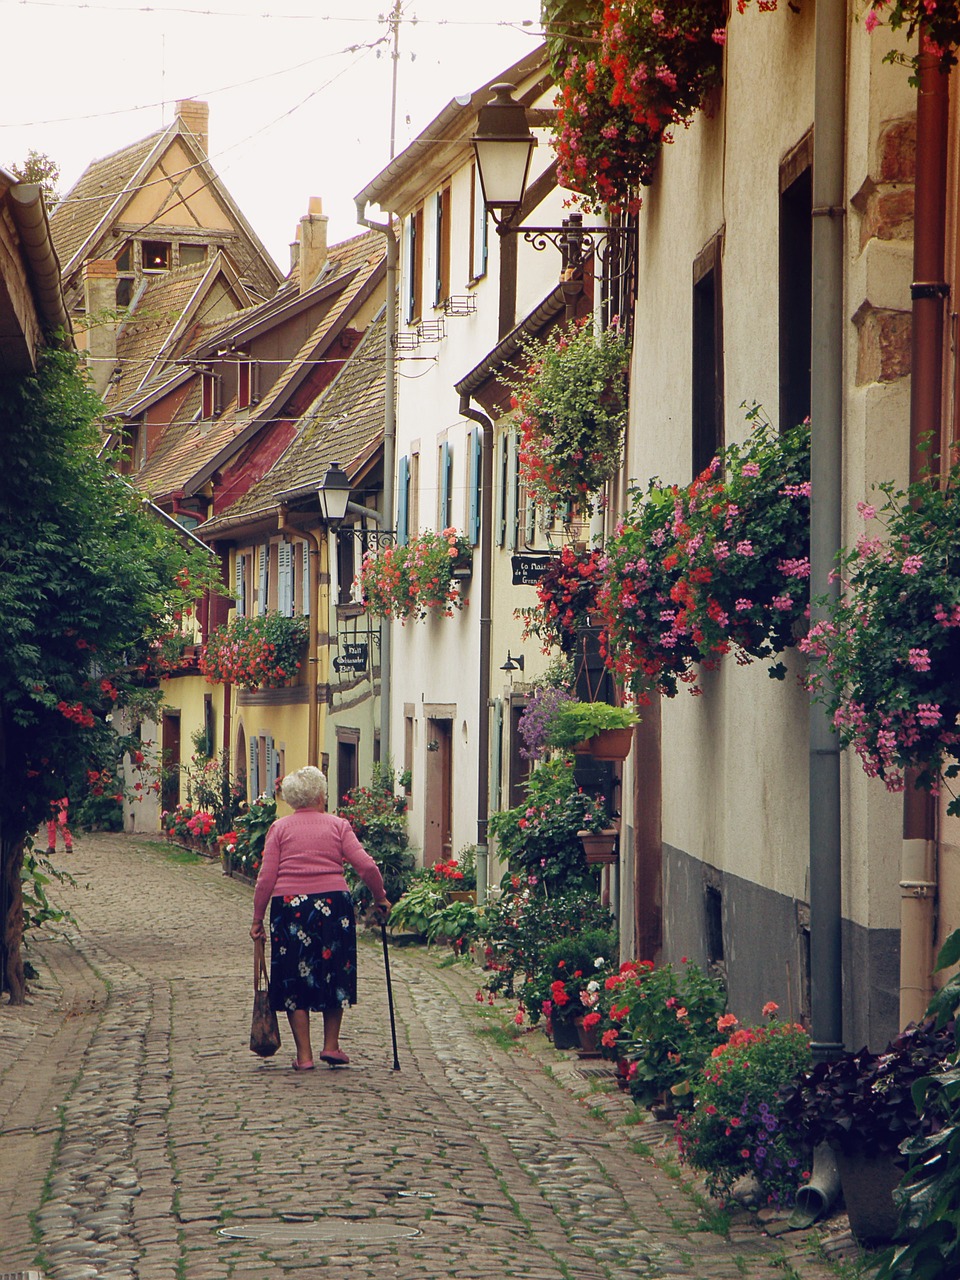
[(334, 494), (503, 145)]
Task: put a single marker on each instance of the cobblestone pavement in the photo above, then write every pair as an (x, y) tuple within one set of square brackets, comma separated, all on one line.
[(149, 1143)]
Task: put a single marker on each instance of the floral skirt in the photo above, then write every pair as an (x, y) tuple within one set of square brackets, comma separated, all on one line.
[(313, 952)]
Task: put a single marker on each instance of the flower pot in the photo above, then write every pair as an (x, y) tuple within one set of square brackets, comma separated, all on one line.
[(868, 1182), (462, 895), (583, 748), (611, 744), (589, 1043), (599, 846), (565, 1033)]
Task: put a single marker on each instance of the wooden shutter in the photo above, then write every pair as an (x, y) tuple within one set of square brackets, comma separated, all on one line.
[(240, 589), (496, 763), (474, 456), (444, 485), (501, 493), (305, 569), (263, 578), (285, 579), (271, 767), (254, 778), (403, 499)]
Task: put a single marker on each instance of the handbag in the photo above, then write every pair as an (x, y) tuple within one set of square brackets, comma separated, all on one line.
[(264, 1028)]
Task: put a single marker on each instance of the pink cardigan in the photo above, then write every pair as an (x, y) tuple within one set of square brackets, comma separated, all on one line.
[(305, 852)]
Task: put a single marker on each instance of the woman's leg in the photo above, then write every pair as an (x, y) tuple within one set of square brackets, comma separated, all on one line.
[(331, 1030), (299, 1020)]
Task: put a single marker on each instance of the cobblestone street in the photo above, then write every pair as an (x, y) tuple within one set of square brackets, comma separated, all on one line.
[(140, 1138)]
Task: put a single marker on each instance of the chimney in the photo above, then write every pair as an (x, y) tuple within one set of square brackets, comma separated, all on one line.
[(100, 307), (195, 117), (313, 243)]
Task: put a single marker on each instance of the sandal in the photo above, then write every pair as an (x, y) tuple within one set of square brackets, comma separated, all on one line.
[(336, 1058), (302, 1066)]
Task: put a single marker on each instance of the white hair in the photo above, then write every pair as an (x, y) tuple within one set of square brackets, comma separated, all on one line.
[(305, 787)]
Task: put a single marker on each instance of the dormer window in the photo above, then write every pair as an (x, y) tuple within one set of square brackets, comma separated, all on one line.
[(210, 405), (191, 254), (155, 255), (248, 384)]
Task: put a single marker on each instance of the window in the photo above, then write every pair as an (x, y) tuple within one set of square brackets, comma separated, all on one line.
[(125, 258), (707, 378), (248, 384), (442, 283), (346, 567), (240, 587), (211, 400), (408, 715), (191, 254), (403, 500), (414, 258), (155, 255), (796, 283), (263, 578), (478, 228), (445, 486), (348, 776), (413, 505), (512, 495), (285, 579)]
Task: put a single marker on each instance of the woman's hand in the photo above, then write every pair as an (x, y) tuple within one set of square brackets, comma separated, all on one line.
[(382, 909), (257, 932)]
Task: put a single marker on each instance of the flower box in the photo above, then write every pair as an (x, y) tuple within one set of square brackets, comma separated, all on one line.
[(600, 846)]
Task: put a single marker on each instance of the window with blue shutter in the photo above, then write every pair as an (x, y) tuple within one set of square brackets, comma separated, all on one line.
[(271, 767), (403, 499), (496, 763), (500, 517), (254, 778), (474, 483)]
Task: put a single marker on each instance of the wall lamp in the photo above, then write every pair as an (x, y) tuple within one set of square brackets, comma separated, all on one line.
[(333, 493), (513, 664), (503, 145)]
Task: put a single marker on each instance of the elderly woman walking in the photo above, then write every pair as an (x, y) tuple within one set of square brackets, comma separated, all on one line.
[(313, 933)]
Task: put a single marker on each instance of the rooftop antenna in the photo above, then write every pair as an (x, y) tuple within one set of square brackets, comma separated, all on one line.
[(394, 21)]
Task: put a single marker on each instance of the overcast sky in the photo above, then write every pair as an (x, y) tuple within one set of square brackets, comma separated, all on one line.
[(299, 100)]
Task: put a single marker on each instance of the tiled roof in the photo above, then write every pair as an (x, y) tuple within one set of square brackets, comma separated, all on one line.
[(343, 424), (189, 448), (78, 213), (155, 313)]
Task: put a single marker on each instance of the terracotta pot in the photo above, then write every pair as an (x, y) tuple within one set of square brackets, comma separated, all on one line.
[(462, 895), (599, 846), (589, 1043), (868, 1182), (611, 744)]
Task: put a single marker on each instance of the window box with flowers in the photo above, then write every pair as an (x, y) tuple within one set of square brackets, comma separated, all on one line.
[(720, 565), (418, 578), (571, 404), (889, 649), (264, 652)]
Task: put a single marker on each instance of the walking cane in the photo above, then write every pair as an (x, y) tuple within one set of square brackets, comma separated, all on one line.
[(386, 970)]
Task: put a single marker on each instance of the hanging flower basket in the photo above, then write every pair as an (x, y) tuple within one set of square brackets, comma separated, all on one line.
[(571, 404), (418, 578), (566, 599), (600, 846), (611, 744)]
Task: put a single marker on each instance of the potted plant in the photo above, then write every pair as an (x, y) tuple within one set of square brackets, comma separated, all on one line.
[(608, 730), (568, 985), (571, 405), (862, 1105), (420, 577), (737, 1128), (255, 653)]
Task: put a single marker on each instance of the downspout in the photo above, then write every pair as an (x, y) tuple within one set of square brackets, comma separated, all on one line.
[(486, 591), (389, 448), (313, 638), (826, 458), (929, 290)]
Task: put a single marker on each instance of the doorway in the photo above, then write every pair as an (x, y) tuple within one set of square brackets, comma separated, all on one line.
[(438, 832), (170, 760)]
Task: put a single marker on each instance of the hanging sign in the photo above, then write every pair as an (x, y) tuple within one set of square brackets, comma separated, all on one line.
[(529, 567), (352, 657)]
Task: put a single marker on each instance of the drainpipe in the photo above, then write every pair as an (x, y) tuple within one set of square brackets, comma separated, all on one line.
[(826, 457), (313, 639), (389, 448), (928, 291), (486, 591)]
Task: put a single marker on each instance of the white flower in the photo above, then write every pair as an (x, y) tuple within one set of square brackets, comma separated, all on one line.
[(593, 985), (599, 962)]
